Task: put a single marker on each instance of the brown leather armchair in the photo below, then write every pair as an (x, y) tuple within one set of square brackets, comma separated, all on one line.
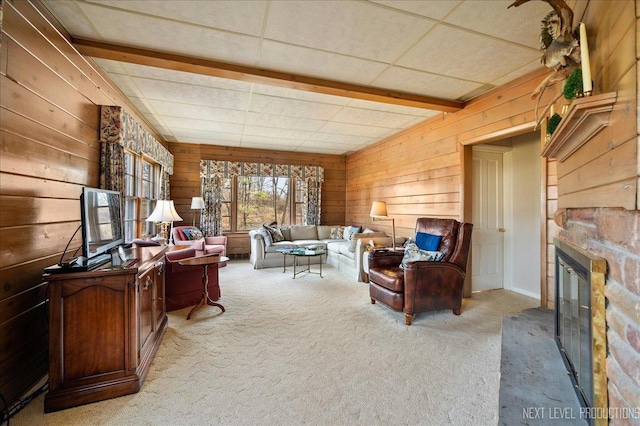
[(423, 285)]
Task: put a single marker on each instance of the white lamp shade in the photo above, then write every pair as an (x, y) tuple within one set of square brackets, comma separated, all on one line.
[(378, 209), (165, 211), (197, 203)]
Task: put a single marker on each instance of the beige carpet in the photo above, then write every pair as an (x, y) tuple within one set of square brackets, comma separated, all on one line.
[(312, 351)]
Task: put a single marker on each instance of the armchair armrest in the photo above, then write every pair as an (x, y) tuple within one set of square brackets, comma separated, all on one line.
[(220, 240), (381, 259)]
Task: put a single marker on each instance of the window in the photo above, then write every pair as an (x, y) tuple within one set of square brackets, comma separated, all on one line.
[(141, 188), (246, 195), (262, 200)]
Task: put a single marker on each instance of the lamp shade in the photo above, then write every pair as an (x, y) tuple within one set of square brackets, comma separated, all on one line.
[(378, 209), (165, 211), (197, 203)]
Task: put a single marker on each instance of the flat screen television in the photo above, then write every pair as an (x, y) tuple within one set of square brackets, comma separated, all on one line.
[(102, 225)]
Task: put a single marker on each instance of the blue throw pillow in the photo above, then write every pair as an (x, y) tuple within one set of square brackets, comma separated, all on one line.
[(428, 242)]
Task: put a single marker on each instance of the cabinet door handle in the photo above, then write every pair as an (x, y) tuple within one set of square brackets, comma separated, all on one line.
[(147, 283), (160, 268)]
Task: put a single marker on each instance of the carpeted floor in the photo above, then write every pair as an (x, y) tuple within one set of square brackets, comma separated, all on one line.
[(312, 351), (534, 386)]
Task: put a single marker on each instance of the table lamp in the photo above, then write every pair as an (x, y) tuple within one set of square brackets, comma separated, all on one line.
[(379, 212), (197, 203), (165, 214)]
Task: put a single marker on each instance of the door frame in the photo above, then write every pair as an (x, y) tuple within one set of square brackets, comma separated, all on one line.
[(466, 161), (507, 207)]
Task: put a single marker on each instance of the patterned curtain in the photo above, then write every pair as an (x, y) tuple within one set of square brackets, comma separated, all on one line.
[(312, 202), (211, 219), (112, 166), (164, 185)]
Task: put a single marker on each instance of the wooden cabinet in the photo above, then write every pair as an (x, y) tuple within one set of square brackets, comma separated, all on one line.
[(104, 329)]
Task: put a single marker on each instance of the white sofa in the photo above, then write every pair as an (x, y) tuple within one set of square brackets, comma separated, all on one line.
[(344, 255)]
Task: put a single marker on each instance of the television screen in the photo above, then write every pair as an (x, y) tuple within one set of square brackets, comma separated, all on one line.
[(102, 226)]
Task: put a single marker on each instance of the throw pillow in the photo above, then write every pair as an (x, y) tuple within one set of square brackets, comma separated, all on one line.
[(337, 233), (428, 242), (413, 254), (276, 234), (349, 231), (192, 233), (266, 236)]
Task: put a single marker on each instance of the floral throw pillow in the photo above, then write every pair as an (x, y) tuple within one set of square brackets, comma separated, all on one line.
[(413, 254), (337, 233), (274, 231), (193, 233)]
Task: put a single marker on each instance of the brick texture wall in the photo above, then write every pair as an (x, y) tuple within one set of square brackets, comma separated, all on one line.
[(613, 235)]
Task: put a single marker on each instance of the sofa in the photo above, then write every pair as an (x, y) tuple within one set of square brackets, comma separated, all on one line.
[(344, 245), (191, 237)]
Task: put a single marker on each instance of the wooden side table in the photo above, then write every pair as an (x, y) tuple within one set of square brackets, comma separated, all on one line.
[(204, 261)]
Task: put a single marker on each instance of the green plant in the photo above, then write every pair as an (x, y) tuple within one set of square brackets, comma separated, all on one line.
[(553, 123), (573, 85)]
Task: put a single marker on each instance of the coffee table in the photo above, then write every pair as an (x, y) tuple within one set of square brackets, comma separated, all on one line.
[(301, 253)]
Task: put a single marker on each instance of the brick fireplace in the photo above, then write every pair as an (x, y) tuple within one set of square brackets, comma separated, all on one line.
[(613, 234)]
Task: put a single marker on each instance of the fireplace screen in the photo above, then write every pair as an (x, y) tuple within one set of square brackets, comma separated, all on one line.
[(580, 321)]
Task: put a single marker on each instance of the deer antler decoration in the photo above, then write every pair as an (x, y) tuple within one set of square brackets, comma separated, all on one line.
[(560, 49)]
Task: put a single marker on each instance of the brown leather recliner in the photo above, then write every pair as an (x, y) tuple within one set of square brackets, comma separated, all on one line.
[(423, 285)]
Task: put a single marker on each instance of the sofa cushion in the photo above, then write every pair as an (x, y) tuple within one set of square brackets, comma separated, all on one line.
[(304, 232), (280, 245), (344, 250), (334, 245), (324, 232), (413, 254), (286, 232), (274, 232), (429, 242)]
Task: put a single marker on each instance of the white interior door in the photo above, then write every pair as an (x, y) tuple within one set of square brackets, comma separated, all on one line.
[(488, 221)]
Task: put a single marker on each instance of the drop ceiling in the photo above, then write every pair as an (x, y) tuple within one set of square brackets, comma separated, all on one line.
[(444, 49)]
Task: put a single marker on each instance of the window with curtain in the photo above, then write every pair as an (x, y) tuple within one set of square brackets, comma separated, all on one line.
[(243, 196), (141, 189)]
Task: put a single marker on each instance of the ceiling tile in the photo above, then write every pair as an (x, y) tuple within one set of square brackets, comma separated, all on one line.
[(466, 55), (184, 93), (317, 63), (351, 28), (212, 126), (164, 35), (333, 138), (517, 25), (352, 129), (75, 22), (413, 81), (520, 71), (435, 9), (283, 122), (245, 17), (293, 107), (190, 135), (136, 70), (199, 112), (273, 132), (371, 117)]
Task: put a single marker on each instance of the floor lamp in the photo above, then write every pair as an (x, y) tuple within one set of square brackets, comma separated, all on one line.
[(165, 213), (197, 203), (379, 212)]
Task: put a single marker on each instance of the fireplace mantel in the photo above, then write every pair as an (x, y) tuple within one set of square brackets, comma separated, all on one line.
[(585, 118)]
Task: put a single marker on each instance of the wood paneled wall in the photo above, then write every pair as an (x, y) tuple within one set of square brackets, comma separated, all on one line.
[(604, 171), (50, 101), (185, 182), (420, 172)]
